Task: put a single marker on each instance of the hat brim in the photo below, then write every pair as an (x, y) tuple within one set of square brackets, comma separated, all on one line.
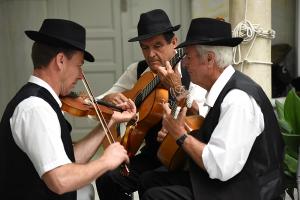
[(58, 42), (147, 36), (232, 42)]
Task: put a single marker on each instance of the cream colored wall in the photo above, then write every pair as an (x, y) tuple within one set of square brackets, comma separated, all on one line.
[(15, 62), (210, 8), (108, 30), (283, 21)]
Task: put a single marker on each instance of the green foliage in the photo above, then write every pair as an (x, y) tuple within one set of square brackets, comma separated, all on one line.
[(291, 164), (292, 111), (284, 125), (288, 115), (279, 109)]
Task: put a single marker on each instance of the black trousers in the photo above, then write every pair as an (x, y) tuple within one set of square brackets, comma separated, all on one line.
[(114, 186), (163, 185)]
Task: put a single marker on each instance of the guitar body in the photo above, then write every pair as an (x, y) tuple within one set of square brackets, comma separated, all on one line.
[(148, 105), (149, 112), (169, 153)]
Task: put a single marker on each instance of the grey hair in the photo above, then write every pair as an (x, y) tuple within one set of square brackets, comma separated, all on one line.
[(223, 55)]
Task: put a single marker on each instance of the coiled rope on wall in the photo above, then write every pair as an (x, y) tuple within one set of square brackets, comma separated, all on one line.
[(249, 32)]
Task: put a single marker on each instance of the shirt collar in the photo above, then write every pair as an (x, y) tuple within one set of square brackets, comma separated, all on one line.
[(44, 84), (178, 66), (218, 86)]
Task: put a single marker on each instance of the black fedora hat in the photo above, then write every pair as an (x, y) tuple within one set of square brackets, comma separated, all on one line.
[(153, 23), (61, 33), (212, 32)]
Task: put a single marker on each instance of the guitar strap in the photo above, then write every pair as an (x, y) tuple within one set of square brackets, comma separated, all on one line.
[(185, 78), (142, 66)]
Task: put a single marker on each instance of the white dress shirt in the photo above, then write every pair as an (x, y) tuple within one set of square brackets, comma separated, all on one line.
[(240, 122), (128, 79), (36, 130)]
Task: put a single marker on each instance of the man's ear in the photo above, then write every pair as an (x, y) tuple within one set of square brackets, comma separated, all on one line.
[(59, 59), (210, 57), (174, 40)]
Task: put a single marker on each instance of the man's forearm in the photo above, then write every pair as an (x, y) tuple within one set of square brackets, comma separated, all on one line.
[(85, 148)]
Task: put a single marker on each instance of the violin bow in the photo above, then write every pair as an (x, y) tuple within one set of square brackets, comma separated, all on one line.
[(98, 111), (101, 118)]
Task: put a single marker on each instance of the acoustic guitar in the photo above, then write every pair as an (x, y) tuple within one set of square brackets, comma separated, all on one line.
[(169, 153), (147, 96)]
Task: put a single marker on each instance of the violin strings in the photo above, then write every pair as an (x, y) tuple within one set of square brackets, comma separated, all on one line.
[(98, 112)]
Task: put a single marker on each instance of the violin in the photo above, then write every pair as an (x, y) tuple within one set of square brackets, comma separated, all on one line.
[(80, 106)]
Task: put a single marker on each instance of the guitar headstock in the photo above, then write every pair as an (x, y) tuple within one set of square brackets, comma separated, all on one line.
[(181, 52), (178, 56)]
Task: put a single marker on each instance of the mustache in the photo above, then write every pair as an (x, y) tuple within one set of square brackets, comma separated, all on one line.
[(162, 63), (154, 60)]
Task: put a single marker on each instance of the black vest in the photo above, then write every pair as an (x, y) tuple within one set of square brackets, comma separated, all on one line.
[(261, 177), (152, 145), (19, 179)]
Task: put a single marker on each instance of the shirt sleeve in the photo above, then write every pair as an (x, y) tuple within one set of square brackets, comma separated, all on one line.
[(197, 94), (36, 130), (126, 81), (240, 122)]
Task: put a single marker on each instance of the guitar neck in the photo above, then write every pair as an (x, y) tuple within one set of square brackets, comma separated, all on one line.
[(178, 56), (153, 83)]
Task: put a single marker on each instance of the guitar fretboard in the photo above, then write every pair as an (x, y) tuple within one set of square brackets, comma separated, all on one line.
[(152, 84)]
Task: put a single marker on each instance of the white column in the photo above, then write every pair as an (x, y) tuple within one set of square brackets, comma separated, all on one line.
[(257, 12)]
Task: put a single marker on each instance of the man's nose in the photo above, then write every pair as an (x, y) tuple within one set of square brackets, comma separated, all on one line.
[(80, 77), (152, 53)]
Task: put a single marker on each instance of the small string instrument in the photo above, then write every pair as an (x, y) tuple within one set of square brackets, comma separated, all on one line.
[(77, 107), (147, 97), (80, 106), (169, 153)]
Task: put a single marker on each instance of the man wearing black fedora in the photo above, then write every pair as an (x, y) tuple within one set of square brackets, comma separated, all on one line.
[(157, 41), (238, 151), (38, 158)]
